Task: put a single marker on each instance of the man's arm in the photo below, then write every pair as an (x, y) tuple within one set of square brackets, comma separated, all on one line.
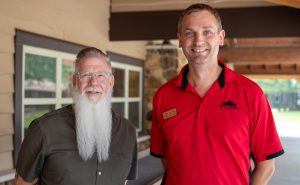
[(263, 172), (20, 181)]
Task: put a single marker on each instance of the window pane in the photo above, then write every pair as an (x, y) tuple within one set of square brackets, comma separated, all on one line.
[(67, 73), (34, 111), (134, 113), (118, 107), (40, 76), (119, 90), (134, 83)]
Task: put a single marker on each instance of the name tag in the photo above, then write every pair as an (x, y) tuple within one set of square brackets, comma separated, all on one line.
[(170, 113)]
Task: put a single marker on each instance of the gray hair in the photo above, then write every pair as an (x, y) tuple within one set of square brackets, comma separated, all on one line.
[(89, 53)]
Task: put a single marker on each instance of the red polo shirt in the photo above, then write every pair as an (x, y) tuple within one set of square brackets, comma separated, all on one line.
[(210, 140)]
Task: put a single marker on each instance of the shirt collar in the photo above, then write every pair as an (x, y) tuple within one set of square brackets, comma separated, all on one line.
[(183, 82)]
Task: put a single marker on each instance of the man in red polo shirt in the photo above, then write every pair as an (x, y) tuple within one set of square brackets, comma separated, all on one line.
[(209, 121)]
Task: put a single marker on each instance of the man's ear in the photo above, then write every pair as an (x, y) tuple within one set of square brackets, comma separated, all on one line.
[(222, 37), (74, 80), (111, 81), (179, 40)]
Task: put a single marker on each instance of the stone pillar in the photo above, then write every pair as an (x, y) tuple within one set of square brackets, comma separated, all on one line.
[(161, 65)]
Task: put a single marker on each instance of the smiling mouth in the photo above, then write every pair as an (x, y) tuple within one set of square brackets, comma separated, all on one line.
[(197, 50), (93, 92)]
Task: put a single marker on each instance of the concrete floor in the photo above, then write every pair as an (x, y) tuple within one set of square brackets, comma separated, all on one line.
[(288, 165)]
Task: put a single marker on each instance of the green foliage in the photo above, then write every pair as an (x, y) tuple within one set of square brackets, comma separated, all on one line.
[(67, 71), (278, 86), (40, 67), (30, 117)]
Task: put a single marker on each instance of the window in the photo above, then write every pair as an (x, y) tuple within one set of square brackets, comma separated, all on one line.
[(128, 89), (127, 94), (47, 80), (42, 67)]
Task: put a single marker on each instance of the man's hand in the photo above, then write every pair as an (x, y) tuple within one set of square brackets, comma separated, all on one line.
[(20, 181)]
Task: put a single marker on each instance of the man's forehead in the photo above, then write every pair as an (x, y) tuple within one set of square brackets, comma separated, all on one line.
[(93, 61), (208, 21), (199, 15)]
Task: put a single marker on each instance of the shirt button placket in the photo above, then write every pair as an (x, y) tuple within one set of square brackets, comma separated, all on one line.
[(99, 176)]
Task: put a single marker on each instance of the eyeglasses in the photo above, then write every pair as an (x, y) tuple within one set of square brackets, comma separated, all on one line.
[(87, 76)]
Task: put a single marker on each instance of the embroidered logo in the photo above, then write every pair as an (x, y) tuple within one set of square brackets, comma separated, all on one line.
[(229, 105)]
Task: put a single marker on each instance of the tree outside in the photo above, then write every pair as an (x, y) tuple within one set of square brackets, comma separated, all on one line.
[(284, 98)]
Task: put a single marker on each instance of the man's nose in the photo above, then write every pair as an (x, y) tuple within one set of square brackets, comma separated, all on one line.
[(198, 38), (93, 79)]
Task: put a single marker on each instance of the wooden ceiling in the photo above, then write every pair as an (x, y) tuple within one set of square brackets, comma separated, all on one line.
[(279, 56), (164, 5), (272, 21), (263, 37)]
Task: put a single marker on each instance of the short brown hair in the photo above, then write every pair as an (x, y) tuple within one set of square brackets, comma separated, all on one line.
[(198, 8)]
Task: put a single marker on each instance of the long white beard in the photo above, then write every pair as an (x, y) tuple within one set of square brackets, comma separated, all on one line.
[(93, 125)]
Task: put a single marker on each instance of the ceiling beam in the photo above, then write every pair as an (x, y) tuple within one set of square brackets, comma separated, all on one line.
[(260, 55), (282, 69), (262, 42), (290, 3), (274, 76), (167, 5), (277, 21)]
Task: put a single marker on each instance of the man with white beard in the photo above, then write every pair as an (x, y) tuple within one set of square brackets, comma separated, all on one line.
[(85, 143)]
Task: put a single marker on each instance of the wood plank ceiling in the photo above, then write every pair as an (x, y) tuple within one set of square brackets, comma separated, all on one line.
[(263, 55)]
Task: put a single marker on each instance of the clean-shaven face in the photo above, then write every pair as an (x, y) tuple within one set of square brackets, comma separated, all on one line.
[(200, 37)]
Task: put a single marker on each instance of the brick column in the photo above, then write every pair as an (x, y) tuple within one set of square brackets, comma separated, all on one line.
[(161, 65)]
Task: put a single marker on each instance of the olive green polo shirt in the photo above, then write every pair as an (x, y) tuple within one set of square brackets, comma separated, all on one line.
[(50, 153)]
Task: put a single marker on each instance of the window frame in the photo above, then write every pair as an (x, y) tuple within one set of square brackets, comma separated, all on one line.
[(118, 60), (127, 99), (23, 38), (58, 101)]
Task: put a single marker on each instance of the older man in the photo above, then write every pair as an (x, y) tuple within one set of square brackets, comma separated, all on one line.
[(84, 143)]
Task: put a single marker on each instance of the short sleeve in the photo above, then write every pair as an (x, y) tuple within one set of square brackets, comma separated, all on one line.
[(133, 170), (157, 146), (265, 142), (31, 157)]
